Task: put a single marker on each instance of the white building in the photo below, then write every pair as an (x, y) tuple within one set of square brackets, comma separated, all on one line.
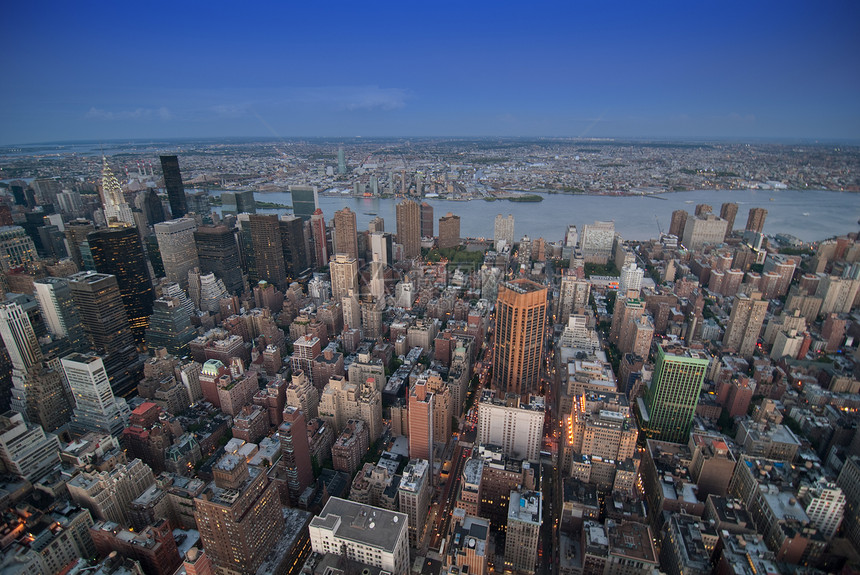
[(26, 450), (631, 279), (178, 249), (503, 230), (96, 407), (517, 428), (363, 533)]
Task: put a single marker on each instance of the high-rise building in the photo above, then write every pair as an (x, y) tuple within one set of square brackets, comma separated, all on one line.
[(345, 233), (16, 247), (413, 496), (238, 203), (409, 228), (293, 244), (728, 212), (218, 253), (319, 239), (59, 312), (341, 162), (96, 407), (178, 249), (25, 449), (597, 241), (376, 225), (344, 276), (745, 322), (153, 209), (449, 231), (519, 337), (239, 516), (755, 220), (512, 424), (170, 327), (76, 233), (503, 230), (108, 494), (173, 185), (117, 210), (362, 533), (119, 252), (105, 322), (268, 250), (421, 404), (678, 223), (295, 463), (522, 536), (666, 413), (305, 201), (704, 229), (426, 220)]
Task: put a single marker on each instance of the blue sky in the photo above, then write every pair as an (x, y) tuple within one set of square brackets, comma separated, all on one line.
[(693, 69)]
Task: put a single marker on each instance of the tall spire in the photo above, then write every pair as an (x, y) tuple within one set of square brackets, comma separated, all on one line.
[(117, 211)]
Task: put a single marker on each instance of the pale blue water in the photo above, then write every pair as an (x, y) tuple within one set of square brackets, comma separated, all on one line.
[(830, 213)]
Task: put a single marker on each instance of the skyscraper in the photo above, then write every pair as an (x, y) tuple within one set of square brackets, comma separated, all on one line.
[(238, 202), (745, 321), (16, 247), (426, 220), (520, 325), (449, 231), (76, 232), (522, 534), (503, 230), (118, 252), (293, 244), (96, 408), (173, 184), (218, 253), (59, 312), (728, 212), (666, 412), (421, 403), (153, 209), (345, 233), (341, 162), (117, 210), (177, 247), (305, 201), (409, 228), (755, 220), (103, 316), (679, 221), (238, 515), (344, 276), (170, 327), (319, 239), (268, 251), (295, 463)]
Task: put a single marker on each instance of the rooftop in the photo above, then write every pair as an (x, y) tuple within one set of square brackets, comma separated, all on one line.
[(361, 523)]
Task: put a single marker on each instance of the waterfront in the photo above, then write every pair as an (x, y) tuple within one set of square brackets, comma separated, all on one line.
[(829, 213)]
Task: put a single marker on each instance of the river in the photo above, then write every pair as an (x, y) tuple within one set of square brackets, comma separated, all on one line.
[(809, 215)]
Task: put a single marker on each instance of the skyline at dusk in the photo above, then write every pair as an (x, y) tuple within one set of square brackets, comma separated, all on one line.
[(674, 71)]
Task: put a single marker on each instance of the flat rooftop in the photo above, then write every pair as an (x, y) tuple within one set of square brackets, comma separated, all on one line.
[(361, 523)]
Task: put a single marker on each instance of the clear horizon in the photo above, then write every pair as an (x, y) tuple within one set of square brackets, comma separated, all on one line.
[(744, 72)]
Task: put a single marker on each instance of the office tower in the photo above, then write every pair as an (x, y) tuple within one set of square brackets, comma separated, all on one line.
[(25, 449), (409, 228), (381, 248), (413, 495), (170, 327), (376, 225), (849, 482), (218, 253), (596, 242), (103, 316), (426, 220), (108, 494), (573, 296), (421, 403), (520, 327), (76, 233), (16, 247), (177, 247), (305, 201), (238, 515), (59, 312), (449, 231), (362, 533), (345, 233), (673, 393), (728, 212), (318, 238), (117, 210), (522, 535), (301, 394), (293, 244), (173, 185), (96, 407), (341, 162), (755, 220), (238, 203), (295, 463), (153, 209), (503, 230), (512, 424), (344, 276), (268, 250), (627, 310), (118, 252), (37, 391), (745, 321), (704, 229), (678, 223)]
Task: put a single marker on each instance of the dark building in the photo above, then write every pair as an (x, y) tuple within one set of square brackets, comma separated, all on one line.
[(268, 250), (295, 461), (53, 242), (100, 307), (755, 220), (119, 252), (728, 212), (219, 254), (305, 201), (170, 327), (426, 220), (293, 244), (77, 232), (173, 184), (153, 208), (238, 203)]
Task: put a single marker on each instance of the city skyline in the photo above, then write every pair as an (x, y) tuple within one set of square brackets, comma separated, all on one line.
[(673, 71)]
